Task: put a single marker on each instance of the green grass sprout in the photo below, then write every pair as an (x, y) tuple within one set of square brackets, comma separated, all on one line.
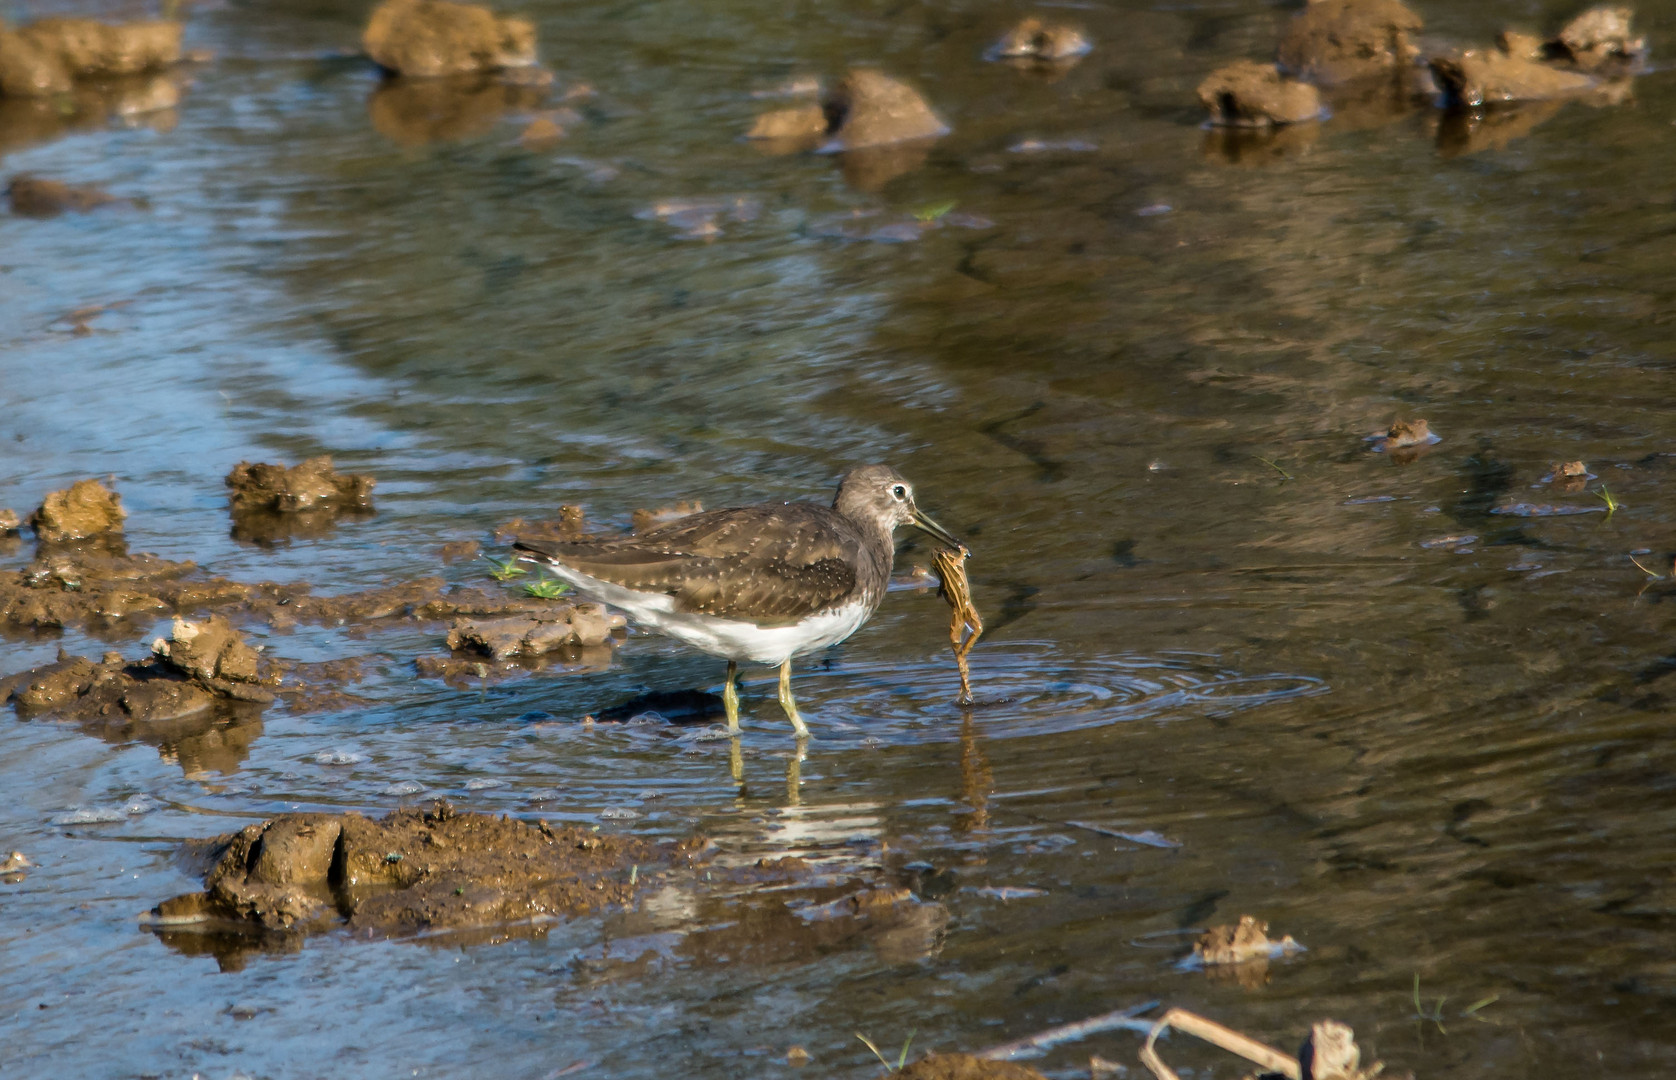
[(1472, 1010), (1612, 504), (902, 1058), (933, 211), (547, 588), (1644, 570), (1420, 1013), (504, 571), (1284, 475)]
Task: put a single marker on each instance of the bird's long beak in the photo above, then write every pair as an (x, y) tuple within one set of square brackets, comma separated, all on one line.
[(936, 530)]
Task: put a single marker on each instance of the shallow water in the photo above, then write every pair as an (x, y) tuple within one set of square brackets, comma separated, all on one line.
[(1425, 760)]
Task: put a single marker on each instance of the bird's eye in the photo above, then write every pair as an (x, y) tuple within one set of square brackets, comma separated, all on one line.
[(900, 492)]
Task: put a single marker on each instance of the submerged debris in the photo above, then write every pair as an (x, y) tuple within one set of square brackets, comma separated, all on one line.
[(417, 112), (33, 196), (437, 37), (1403, 440), (1032, 39), (48, 56), (85, 509), (1249, 94), (411, 872)]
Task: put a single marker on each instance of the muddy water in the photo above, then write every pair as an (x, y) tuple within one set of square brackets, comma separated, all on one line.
[(1427, 761)]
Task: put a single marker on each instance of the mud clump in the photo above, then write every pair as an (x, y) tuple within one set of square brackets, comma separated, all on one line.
[(535, 634), (436, 37), (865, 110), (85, 509), (1034, 40), (1241, 943), (47, 56), (33, 196), (411, 872), (965, 1067), (1249, 94), (205, 663), (9, 523), (1489, 76), (802, 124), (271, 503), (76, 586), (868, 108), (308, 486), (572, 525), (1336, 41), (1598, 39)]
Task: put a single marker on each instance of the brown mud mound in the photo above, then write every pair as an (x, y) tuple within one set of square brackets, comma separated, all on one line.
[(435, 37), (1599, 39), (803, 125), (535, 634), (412, 872), (869, 108), (1490, 76), (85, 508), (272, 502), (9, 522), (308, 486), (1335, 41), (965, 1067), (1249, 94), (47, 56), (80, 586), (33, 196), (204, 663), (1032, 39)]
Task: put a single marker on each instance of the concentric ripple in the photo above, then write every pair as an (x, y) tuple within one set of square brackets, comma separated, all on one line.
[(1032, 688)]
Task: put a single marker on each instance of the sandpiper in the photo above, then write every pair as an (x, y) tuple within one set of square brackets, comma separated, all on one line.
[(761, 583)]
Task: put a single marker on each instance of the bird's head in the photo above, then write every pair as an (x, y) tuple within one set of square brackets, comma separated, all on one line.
[(879, 494)]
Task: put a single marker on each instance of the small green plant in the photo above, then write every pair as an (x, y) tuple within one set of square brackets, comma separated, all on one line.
[(1652, 574), (1484, 1003), (504, 570), (1436, 1015), (901, 1059), (1284, 475), (547, 588), (1612, 504), (933, 211)]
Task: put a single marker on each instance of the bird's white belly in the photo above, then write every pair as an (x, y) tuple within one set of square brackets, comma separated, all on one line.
[(734, 639)]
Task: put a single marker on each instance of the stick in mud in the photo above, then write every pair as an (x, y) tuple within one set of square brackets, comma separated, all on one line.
[(951, 571), (1225, 1037), (1115, 1020)]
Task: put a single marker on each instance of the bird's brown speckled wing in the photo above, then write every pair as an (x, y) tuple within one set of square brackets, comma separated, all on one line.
[(768, 564)]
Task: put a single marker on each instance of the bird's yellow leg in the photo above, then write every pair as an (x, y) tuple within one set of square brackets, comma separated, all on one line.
[(794, 773), (730, 696), (788, 704)]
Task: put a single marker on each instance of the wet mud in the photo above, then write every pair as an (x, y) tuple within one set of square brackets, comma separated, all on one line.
[(428, 38), (49, 56), (1249, 94), (270, 503), (1336, 41), (965, 1067), (420, 111), (202, 664), (1033, 40), (85, 509), (412, 872)]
